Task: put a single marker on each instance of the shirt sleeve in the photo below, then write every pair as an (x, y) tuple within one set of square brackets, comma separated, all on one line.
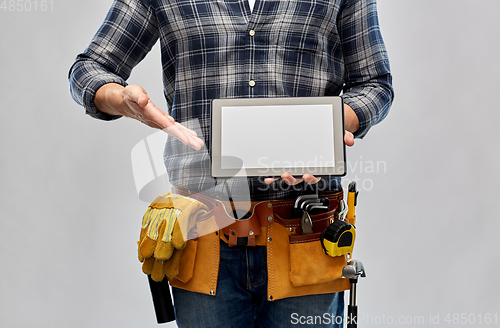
[(368, 80), (127, 34)]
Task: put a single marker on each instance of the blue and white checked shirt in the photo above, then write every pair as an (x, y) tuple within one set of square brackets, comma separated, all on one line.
[(220, 49)]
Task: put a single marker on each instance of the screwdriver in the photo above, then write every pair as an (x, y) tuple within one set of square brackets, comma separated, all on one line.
[(352, 200)]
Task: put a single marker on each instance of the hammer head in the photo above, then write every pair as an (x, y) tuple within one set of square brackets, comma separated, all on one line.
[(354, 269)]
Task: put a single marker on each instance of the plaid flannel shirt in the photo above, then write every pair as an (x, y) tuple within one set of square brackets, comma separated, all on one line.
[(220, 49)]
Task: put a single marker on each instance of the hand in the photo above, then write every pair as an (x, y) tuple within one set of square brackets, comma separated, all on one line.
[(351, 122), (133, 101)]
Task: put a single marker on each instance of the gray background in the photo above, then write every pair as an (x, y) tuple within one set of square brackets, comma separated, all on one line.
[(427, 218)]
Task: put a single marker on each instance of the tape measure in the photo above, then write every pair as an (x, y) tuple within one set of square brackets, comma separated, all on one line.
[(338, 238)]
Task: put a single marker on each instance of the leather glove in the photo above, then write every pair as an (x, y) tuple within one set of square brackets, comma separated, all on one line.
[(164, 233)]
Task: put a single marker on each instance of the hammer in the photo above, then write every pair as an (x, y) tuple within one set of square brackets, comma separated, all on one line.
[(353, 270)]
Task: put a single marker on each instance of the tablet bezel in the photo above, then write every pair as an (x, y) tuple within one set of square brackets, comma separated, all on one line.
[(338, 130)]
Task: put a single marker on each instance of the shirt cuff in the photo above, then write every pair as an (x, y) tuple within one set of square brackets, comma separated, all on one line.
[(363, 121), (90, 90)]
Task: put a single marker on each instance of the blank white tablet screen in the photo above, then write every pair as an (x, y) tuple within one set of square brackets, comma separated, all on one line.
[(277, 136)]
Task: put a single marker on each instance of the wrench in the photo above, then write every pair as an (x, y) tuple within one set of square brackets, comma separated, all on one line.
[(343, 210)]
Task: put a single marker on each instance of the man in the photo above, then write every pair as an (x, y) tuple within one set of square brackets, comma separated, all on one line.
[(238, 49)]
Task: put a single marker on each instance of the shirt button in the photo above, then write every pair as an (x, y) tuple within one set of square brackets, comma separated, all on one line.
[(252, 32), (251, 83)]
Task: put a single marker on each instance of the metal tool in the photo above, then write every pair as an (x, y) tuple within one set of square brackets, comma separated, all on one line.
[(302, 201), (316, 208), (306, 202), (343, 210), (353, 270), (306, 223), (302, 198), (325, 201), (307, 205), (297, 211)]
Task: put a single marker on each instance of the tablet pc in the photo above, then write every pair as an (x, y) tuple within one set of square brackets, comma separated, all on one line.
[(271, 136)]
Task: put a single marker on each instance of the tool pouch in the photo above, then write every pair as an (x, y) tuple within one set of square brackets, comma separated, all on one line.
[(199, 267), (309, 265), (307, 269), (199, 263)]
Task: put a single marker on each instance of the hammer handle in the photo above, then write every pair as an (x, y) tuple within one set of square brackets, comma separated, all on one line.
[(162, 301), (352, 316)]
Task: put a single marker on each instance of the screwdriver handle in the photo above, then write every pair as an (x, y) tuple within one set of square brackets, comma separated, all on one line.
[(352, 199)]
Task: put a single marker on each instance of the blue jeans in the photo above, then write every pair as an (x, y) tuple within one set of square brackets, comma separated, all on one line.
[(241, 299)]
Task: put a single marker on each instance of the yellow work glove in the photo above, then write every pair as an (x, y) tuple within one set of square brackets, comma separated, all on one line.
[(165, 227)]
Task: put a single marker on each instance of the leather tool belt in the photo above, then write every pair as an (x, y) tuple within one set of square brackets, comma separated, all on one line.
[(296, 262), (249, 232)]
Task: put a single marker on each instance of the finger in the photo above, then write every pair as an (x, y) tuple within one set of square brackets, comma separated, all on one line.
[(290, 179), (270, 180), (154, 114), (143, 109), (177, 132), (349, 138), (167, 123), (194, 141), (310, 179), (187, 130)]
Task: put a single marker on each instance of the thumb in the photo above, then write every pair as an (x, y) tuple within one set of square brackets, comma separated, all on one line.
[(136, 94), (348, 139), (143, 99)]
